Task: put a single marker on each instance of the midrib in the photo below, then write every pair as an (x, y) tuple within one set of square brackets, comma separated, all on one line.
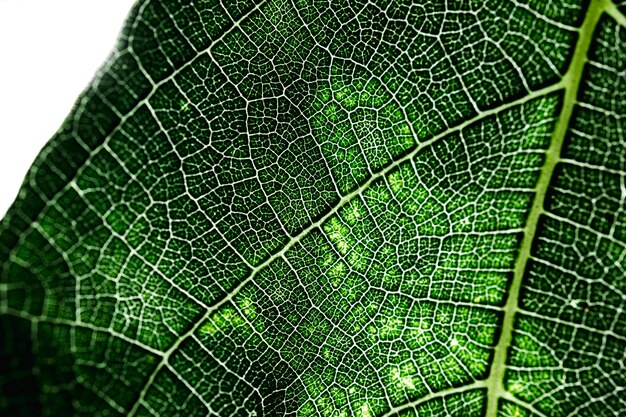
[(571, 83)]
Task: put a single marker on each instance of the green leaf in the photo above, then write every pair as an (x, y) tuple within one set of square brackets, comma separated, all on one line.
[(330, 208)]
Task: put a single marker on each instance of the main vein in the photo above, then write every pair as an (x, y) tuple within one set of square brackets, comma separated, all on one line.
[(571, 81)]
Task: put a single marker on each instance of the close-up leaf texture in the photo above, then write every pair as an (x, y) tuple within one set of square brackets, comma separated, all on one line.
[(330, 208)]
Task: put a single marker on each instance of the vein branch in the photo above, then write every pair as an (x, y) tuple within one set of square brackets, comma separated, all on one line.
[(615, 13), (435, 395)]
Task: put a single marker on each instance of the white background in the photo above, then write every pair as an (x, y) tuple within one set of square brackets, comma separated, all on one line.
[(49, 51)]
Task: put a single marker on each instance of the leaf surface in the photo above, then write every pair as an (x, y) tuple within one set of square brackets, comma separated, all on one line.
[(329, 208)]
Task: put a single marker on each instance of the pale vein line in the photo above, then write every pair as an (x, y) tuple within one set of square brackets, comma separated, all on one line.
[(523, 404), (589, 166), (571, 81), (599, 332), (586, 228), (435, 395)]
